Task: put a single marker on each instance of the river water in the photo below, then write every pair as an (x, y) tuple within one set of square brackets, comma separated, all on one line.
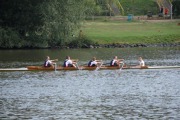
[(91, 95)]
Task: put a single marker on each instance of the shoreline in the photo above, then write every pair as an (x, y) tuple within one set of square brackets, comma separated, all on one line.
[(114, 45), (111, 45)]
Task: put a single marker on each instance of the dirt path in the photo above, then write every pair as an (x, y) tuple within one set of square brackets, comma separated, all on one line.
[(165, 20)]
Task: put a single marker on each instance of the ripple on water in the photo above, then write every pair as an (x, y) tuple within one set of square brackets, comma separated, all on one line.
[(130, 94)]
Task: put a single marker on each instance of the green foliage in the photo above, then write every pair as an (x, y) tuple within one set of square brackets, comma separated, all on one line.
[(32, 40), (176, 8), (136, 7), (50, 23), (62, 18), (91, 8), (22, 16), (19, 19), (139, 7), (9, 39), (81, 43)]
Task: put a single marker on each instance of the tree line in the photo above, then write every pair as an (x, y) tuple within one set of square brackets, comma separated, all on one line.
[(51, 23), (41, 23)]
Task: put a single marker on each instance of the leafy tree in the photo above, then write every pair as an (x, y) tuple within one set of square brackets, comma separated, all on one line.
[(176, 8), (139, 7), (43, 21), (18, 21), (62, 18), (109, 5), (9, 38), (21, 15), (91, 7)]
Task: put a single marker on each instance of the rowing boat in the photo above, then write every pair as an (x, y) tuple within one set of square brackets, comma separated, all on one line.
[(60, 68), (31, 68)]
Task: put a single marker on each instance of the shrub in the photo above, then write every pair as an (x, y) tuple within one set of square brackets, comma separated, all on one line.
[(35, 41), (81, 43), (9, 38)]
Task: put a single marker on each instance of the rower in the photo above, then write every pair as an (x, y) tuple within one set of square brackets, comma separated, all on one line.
[(94, 62), (48, 62), (69, 63), (116, 62), (141, 62)]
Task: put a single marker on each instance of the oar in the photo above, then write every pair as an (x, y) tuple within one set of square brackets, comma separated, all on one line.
[(55, 60), (98, 67), (78, 66), (75, 62), (121, 66), (55, 66), (106, 64)]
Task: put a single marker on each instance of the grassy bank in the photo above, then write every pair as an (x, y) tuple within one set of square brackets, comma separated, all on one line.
[(124, 32)]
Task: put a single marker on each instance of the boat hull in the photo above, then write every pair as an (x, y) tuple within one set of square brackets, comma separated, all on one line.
[(101, 68), (50, 68), (60, 68)]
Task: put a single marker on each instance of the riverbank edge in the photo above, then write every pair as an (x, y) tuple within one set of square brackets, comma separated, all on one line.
[(113, 45)]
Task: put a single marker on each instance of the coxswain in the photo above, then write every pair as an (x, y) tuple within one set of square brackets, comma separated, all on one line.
[(141, 62)]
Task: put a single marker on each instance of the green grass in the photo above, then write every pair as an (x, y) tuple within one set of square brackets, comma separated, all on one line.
[(132, 32)]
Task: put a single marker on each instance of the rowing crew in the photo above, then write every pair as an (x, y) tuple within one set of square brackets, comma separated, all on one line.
[(67, 63), (92, 63)]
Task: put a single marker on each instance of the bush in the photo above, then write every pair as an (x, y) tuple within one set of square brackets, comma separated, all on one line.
[(9, 38), (35, 41), (81, 43)]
